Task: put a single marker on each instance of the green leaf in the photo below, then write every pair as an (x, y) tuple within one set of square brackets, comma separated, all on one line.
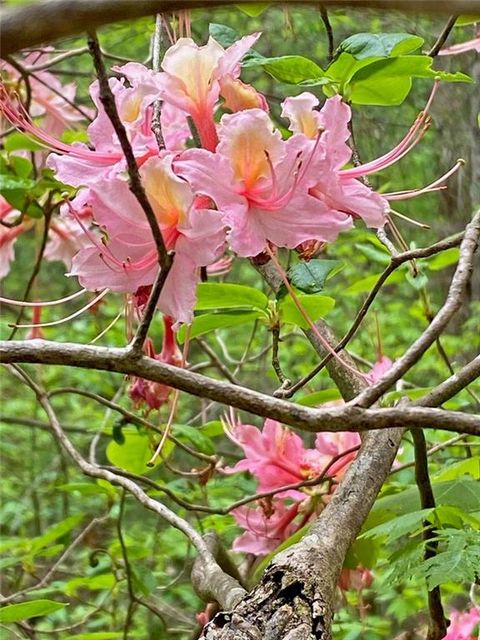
[(408, 524), (11, 182), (54, 532), (288, 69), (195, 437), (21, 166), (97, 635), (310, 277), (319, 397), (208, 322), (469, 466), (388, 81), (367, 45), (458, 562), (86, 488), (374, 254), (226, 36), (17, 140), (443, 260), (463, 21), (136, 451), (253, 9), (364, 285), (315, 305), (26, 610), (211, 429), (229, 296), (97, 582)]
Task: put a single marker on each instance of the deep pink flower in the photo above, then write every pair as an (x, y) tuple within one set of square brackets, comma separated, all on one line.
[(265, 529), (8, 236), (155, 394), (357, 579), (464, 625), (379, 369)]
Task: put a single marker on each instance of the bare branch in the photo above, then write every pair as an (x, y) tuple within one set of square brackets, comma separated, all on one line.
[(348, 418), (48, 20), (450, 307)]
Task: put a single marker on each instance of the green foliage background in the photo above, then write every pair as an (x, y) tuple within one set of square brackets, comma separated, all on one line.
[(46, 501)]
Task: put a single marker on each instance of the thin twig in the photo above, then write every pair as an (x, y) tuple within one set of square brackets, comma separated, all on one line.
[(437, 627), (450, 307), (395, 262), (443, 36), (329, 31), (157, 105)]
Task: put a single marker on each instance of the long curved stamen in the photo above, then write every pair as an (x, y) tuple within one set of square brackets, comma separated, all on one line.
[(434, 186), (307, 318), (107, 328), (413, 137), (410, 220), (70, 317), (48, 303), (21, 120)]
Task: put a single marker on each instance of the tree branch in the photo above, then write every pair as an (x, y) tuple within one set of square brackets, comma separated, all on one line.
[(451, 305), (347, 418), (48, 20)]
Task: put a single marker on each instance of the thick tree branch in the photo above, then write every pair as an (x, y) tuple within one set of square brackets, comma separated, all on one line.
[(347, 418), (40, 22)]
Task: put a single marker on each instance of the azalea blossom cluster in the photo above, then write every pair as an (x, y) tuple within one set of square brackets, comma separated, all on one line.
[(464, 625), (246, 188)]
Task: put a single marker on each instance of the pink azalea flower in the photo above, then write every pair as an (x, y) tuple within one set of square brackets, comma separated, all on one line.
[(356, 579), (126, 259), (155, 394), (8, 236), (462, 47), (332, 152), (66, 237), (192, 77), (380, 368), (260, 184), (276, 456), (265, 529), (464, 626)]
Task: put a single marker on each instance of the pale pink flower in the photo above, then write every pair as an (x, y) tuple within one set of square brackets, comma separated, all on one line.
[(8, 236), (330, 445), (331, 152), (464, 625), (265, 528), (192, 76), (260, 184), (126, 259), (379, 369), (66, 237)]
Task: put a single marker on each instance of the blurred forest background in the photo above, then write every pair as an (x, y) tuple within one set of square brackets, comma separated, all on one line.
[(46, 502)]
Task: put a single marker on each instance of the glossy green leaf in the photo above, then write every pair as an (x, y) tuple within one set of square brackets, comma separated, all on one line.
[(212, 295), (388, 81), (194, 437), (444, 259), (17, 140), (319, 397), (463, 21), (224, 35), (26, 610), (10, 182), (136, 451), (364, 285), (368, 45), (289, 69), (208, 322), (97, 635), (310, 277), (315, 305)]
